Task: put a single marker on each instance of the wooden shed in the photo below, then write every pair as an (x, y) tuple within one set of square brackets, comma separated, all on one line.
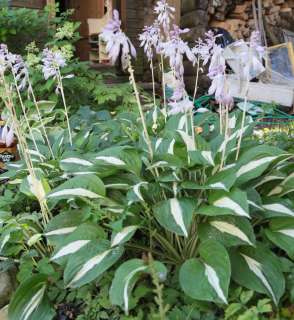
[(134, 14)]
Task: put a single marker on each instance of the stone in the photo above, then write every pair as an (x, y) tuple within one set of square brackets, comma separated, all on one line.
[(6, 288)]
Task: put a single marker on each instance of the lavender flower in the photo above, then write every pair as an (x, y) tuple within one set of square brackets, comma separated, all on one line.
[(183, 106), (52, 62), (180, 102), (165, 14), (203, 49), (150, 40), (7, 136), (117, 40), (217, 73), (175, 49), (21, 73), (3, 58)]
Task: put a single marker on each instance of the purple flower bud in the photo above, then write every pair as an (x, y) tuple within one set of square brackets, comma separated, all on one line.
[(52, 62), (165, 14), (117, 42)]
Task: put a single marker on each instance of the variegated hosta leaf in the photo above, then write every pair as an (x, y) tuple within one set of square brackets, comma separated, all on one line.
[(190, 144), (260, 270), (29, 301), (205, 158), (111, 160), (229, 230), (234, 202), (207, 279), (135, 194), (126, 277), (175, 214), (278, 208), (281, 233), (74, 163), (253, 169), (62, 225), (118, 158), (76, 240), (255, 161), (4, 240), (88, 186), (90, 262), (123, 236)]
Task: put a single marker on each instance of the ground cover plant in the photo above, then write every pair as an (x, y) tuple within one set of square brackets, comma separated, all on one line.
[(158, 212)]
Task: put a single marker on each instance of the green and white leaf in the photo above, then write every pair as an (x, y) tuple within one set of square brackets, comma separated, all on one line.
[(208, 277), (126, 277), (260, 270), (175, 214), (28, 301), (123, 236), (90, 262), (88, 186)]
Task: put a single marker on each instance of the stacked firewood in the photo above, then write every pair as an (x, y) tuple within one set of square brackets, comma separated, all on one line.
[(236, 16)]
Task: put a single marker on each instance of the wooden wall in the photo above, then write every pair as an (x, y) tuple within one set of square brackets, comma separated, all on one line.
[(33, 4)]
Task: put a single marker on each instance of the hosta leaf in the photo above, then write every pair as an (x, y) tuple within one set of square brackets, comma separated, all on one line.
[(123, 236), (119, 158), (277, 208), (175, 214), (260, 270), (201, 157), (281, 233), (76, 240), (29, 301), (190, 144), (90, 262), (76, 163), (135, 194), (234, 202), (62, 225), (88, 186), (229, 230), (255, 161), (126, 277), (207, 278)]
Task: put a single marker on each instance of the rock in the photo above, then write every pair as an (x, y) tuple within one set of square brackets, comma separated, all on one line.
[(4, 313), (6, 288)]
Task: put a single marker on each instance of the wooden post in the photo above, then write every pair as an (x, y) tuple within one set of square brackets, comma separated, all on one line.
[(177, 5)]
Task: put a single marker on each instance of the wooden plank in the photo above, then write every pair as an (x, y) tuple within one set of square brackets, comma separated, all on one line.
[(31, 4)]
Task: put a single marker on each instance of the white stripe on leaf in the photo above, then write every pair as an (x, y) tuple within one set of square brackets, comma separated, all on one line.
[(171, 147), (61, 231), (253, 165), (231, 229), (287, 232), (126, 287), (137, 190), (177, 214), (213, 280), (120, 236), (277, 207), (111, 160), (78, 161), (70, 249), (228, 203), (33, 304), (88, 266), (207, 155), (256, 268), (79, 192), (190, 143)]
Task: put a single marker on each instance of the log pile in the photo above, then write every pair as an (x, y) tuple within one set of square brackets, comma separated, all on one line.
[(237, 16)]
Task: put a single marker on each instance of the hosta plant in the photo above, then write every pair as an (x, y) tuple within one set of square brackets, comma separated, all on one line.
[(178, 197)]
